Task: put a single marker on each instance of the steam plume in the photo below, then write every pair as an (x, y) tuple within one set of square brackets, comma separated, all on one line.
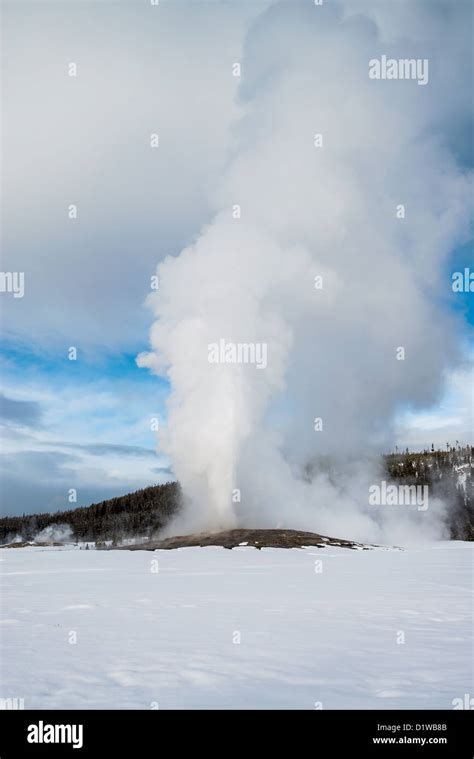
[(310, 215)]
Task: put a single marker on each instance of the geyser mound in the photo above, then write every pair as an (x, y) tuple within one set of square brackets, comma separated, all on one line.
[(256, 538)]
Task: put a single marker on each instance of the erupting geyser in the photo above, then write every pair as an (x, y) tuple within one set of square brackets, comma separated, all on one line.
[(332, 223)]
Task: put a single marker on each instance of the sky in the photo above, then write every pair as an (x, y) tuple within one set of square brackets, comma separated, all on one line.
[(89, 424)]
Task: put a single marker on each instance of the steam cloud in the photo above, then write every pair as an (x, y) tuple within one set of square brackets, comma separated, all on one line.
[(60, 533), (308, 212)]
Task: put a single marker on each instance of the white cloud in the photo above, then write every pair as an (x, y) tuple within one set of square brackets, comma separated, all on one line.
[(86, 141), (452, 420), (84, 439)]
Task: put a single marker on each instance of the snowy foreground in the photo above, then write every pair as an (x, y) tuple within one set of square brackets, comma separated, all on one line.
[(308, 634)]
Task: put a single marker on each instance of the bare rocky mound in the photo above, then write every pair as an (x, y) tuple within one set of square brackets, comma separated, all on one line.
[(255, 538), (29, 543)]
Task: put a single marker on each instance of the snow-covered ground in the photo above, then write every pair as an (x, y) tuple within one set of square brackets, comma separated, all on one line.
[(330, 634)]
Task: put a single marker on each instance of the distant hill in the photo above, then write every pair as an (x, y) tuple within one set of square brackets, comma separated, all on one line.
[(449, 476), (145, 512)]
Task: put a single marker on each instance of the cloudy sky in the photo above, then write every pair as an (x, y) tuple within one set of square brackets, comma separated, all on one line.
[(84, 140)]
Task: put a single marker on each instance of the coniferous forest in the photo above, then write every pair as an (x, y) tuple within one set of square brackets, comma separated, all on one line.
[(143, 513)]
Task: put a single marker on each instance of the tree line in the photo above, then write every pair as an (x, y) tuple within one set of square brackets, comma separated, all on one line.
[(143, 513)]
